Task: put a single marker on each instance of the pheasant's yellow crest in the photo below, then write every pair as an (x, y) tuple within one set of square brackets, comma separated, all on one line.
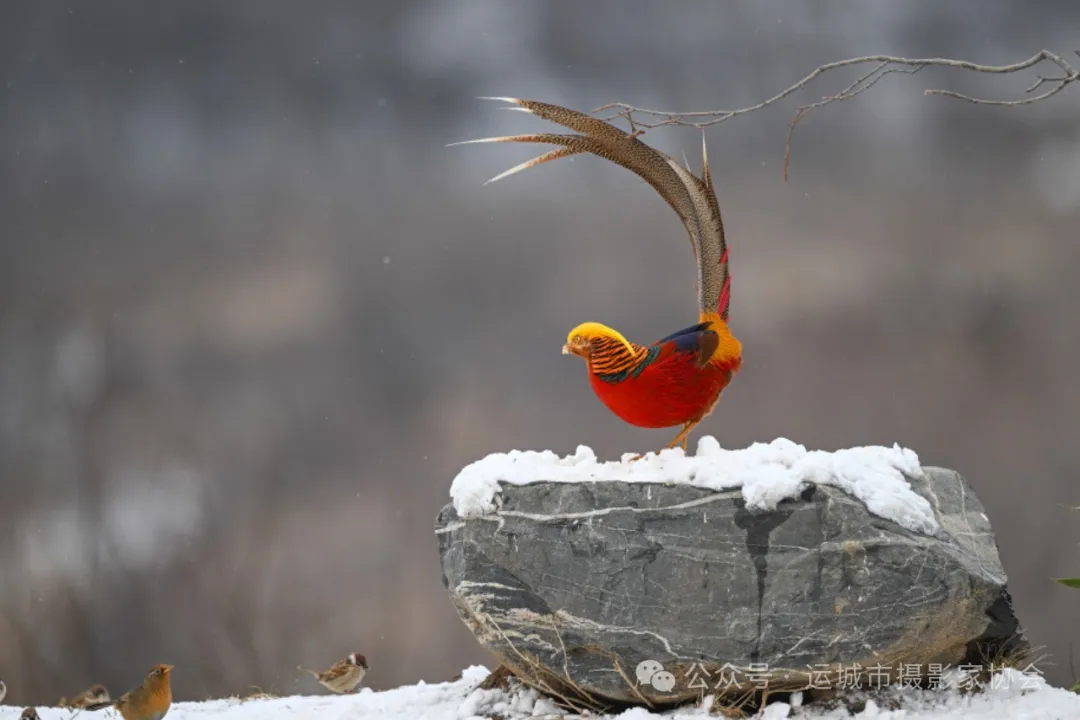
[(591, 330)]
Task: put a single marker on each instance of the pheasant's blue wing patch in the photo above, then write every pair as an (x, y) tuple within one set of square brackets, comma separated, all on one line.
[(696, 340)]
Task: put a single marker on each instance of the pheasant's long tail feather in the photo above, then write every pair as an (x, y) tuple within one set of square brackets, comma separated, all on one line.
[(723, 276), (691, 197), (567, 149)]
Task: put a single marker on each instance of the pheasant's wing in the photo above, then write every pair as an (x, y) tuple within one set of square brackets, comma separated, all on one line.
[(691, 197), (697, 340)]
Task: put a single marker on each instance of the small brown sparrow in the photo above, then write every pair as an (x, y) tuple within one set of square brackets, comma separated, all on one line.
[(30, 714), (149, 701), (96, 693), (344, 676)]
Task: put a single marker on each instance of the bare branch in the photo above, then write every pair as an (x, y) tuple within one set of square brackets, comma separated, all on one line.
[(883, 65)]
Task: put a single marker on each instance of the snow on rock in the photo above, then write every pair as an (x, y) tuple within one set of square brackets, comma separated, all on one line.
[(1015, 697), (766, 472)]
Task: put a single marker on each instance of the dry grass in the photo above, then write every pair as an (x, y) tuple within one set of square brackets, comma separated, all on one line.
[(563, 690), (499, 679), (257, 694)]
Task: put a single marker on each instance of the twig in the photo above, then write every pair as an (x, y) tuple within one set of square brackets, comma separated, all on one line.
[(614, 660), (626, 678), (883, 65), (611, 656), (584, 702)]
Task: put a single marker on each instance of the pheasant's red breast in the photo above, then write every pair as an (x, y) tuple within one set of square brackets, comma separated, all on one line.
[(674, 381), (665, 394)]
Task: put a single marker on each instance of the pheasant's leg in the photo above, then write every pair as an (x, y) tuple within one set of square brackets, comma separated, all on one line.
[(683, 435), (680, 439)]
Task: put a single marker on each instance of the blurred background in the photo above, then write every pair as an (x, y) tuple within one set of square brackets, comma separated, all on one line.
[(254, 315)]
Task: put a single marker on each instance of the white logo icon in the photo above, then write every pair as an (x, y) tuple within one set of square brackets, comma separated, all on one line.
[(651, 672)]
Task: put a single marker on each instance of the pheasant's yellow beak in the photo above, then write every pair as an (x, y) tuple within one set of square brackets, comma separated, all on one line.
[(577, 345)]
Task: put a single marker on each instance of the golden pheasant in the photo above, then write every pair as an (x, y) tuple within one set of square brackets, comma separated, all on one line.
[(676, 380)]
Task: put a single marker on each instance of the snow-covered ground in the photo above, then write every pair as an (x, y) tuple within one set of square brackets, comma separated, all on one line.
[(1021, 698), (766, 472)]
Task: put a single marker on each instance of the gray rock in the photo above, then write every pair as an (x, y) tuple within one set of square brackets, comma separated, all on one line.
[(574, 585)]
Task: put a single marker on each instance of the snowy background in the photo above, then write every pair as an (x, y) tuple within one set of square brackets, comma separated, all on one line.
[(255, 316)]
